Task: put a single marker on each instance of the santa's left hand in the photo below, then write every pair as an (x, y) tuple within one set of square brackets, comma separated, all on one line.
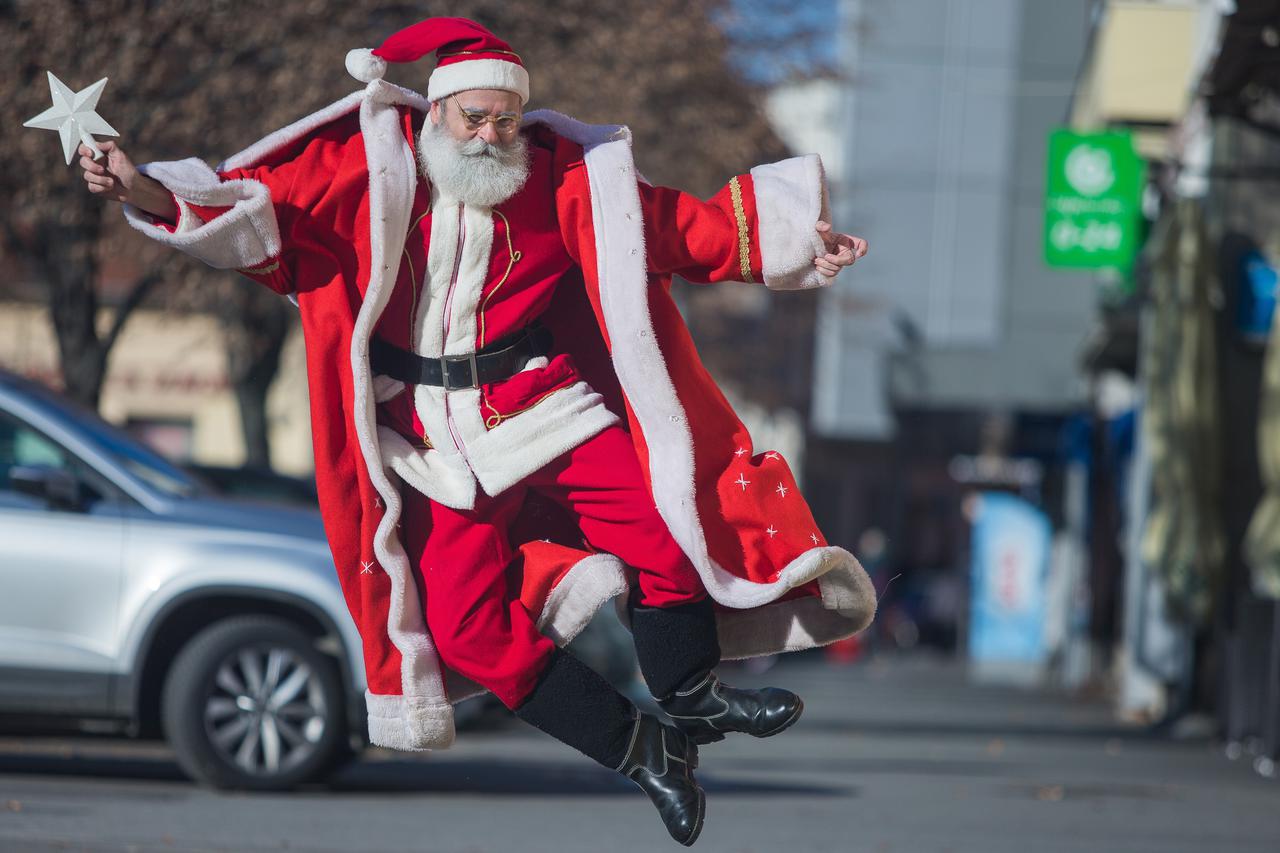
[(842, 250)]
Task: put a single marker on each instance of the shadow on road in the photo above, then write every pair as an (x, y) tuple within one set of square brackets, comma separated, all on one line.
[(512, 778), (139, 768), (537, 779), (866, 766)]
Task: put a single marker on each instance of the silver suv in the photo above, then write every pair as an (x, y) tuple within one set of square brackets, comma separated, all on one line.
[(134, 599)]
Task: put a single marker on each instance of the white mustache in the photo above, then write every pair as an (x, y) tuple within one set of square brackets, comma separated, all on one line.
[(474, 171), (477, 147)]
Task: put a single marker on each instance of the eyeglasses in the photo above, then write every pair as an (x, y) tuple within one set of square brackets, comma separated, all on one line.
[(505, 124)]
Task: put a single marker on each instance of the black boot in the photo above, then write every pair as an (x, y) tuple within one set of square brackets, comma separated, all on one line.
[(574, 704), (677, 648), (710, 709), (661, 762)]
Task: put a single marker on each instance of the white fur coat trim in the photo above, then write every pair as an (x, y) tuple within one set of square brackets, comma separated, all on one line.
[(559, 422), (392, 186), (452, 299), (441, 475), (287, 134), (410, 723)]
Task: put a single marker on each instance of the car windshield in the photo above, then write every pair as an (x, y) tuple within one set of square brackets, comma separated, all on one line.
[(124, 449), (143, 463)]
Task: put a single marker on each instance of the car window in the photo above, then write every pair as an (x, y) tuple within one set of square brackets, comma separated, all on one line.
[(142, 462), (124, 449), (22, 445)]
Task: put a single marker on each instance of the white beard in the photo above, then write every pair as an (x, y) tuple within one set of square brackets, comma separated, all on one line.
[(473, 172)]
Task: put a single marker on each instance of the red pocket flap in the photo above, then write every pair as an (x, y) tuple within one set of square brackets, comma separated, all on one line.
[(507, 397)]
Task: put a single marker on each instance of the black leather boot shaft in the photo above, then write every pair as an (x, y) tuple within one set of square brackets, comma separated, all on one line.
[(707, 711), (676, 646), (661, 760)]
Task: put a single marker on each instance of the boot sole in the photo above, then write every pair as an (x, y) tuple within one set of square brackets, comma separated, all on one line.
[(702, 817)]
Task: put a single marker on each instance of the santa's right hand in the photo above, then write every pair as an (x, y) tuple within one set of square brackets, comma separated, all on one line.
[(110, 176)]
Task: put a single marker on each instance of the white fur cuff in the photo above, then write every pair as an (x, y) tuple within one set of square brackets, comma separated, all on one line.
[(791, 196), (188, 221), (244, 236), (580, 593)]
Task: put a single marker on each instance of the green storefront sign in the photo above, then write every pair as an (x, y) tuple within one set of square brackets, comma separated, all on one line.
[(1092, 213)]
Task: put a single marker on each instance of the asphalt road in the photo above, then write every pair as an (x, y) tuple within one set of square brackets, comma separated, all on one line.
[(890, 756)]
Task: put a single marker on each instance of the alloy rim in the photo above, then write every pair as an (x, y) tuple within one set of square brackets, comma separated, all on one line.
[(266, 712)]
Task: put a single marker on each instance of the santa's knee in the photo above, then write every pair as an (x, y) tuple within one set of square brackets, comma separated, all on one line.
[(505, 665)]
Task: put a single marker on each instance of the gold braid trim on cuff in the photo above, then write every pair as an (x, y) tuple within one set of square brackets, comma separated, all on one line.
[(744, 237), (262, 270)]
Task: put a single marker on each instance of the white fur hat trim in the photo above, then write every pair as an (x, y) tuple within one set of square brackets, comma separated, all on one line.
[(457, 77)]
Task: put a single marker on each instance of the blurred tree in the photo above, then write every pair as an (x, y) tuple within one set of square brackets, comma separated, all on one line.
[(208, 78)]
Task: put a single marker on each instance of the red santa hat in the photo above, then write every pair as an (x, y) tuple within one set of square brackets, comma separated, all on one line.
[(469, 57)]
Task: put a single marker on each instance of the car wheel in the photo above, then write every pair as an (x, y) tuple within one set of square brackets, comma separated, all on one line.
[(250, 703)]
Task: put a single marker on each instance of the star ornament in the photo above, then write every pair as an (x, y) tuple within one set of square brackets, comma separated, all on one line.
[(74, 116)]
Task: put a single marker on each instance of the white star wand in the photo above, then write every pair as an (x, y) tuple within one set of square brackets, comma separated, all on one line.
[(74, 116)]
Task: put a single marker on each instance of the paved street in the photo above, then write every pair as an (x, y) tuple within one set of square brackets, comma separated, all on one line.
[(901, 757)]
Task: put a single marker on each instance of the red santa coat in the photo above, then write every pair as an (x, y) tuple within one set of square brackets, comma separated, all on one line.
[(736, 513)]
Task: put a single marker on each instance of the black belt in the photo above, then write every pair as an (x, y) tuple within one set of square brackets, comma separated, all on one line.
[(503, 358)]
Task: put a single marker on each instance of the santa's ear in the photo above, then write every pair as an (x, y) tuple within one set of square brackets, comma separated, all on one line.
[(435, 112)]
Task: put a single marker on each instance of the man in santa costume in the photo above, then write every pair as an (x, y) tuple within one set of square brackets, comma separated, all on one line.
[(511, 425)]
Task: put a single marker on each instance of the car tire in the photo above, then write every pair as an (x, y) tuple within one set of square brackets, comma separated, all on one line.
[(249, 703)]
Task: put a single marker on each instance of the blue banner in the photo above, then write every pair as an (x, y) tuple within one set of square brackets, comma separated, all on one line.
[(1011, 541)]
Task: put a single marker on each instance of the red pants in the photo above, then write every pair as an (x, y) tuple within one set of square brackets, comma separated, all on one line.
[(481, 630)]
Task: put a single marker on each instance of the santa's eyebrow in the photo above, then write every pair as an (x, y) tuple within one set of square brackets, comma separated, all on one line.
[(481, 112)]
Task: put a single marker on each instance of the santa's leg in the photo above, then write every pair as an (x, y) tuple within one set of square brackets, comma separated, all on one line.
[(677, 648), (486, 635), (672, 619), (573, 703)]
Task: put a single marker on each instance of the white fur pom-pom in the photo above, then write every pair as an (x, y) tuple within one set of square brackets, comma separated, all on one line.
[(364, 66)]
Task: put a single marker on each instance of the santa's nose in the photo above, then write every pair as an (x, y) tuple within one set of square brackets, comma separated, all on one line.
[(489, 133)]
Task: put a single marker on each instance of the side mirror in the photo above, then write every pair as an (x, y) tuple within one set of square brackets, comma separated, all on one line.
[(57, 487)]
